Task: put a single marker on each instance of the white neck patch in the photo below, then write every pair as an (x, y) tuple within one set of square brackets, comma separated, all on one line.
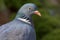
[(24, 20)]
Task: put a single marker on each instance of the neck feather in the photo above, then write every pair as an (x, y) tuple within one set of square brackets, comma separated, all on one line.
[(27, 18)]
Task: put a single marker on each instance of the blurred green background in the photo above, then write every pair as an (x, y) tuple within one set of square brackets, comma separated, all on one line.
[(47, 26)]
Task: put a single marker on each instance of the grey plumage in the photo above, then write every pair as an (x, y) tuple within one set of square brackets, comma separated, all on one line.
[(17, 29)]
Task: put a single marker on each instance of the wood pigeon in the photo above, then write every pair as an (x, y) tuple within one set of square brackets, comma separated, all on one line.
[(21, 28)]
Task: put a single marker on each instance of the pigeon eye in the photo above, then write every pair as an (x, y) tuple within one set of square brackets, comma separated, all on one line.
[(30, 8)]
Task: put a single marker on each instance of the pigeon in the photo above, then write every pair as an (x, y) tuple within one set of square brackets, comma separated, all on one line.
[(21, 28)]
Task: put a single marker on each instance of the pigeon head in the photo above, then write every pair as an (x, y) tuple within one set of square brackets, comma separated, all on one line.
[(27, 10)]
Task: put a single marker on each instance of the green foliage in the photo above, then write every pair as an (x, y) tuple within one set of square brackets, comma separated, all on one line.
[(14, 3), (18, 3), (54, 35), (2, 5), (12, 16), (45, 24)]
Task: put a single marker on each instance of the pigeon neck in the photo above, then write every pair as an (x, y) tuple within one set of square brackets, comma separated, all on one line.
[(24, 18)]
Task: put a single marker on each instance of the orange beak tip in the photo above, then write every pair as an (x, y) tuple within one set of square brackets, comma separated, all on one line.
[(37, 13)]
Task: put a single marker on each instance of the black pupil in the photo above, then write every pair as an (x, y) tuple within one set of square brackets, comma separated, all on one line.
[(29, 8)]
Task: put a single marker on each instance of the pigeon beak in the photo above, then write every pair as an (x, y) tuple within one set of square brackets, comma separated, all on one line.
[(37, 13)]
